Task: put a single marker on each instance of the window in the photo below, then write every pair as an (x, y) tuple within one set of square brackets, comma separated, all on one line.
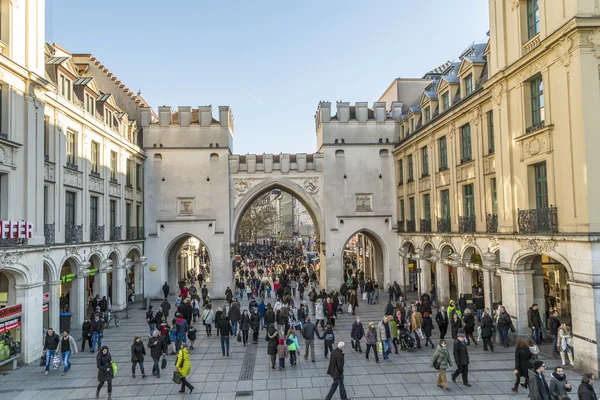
[(494, 197), (46, 137), (427, 115), (400, 173), (468, 84), (138, 215), (410, 168), (541, 185), (89, 103), (445, 203), (446, 101), (412, 125), (425, 161), (70, 208), (402, 210), (70, 148), (537, 101), (108, 117), (65, 87), (427, 206), (465, 137), (402, 131), (113, 214), (533, 18), (95, 156), (442, 144), (94, 211), (46, 198), (138, 176), (128, 174), (469, 201), (128, 216), (113, 165), (411, 208), (490, 119)]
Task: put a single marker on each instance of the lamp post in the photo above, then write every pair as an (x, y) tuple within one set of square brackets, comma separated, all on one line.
[(489, 259), (143, 263), (434, 258), (127, 263), (404, 254), (418, 257)]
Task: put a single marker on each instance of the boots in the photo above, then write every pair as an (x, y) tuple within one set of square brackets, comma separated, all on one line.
[(562, 357), (571, 359)]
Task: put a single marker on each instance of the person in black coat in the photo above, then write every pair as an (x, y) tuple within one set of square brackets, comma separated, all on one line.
[(245, 326), (469, 326), (272, 337), (357, 333), (461, 358), (389, 309), (522, 363), (455, 326), (166, 289), (269, 315), (105, 371), (224, 327), (427, 328), (137, 356), (166, 306), (158, 348), (487, 330), (336, 371), (586, 389), (85, 328), (255, 325), (442, 321)]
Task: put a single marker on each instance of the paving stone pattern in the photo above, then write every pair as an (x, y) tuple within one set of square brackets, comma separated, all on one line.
[(248, 375)]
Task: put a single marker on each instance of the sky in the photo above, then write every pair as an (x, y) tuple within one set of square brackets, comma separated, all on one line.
[(270, 61)]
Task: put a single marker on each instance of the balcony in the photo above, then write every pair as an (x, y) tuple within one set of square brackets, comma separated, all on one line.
[(49, 233), (73, 233), (131, 233), (140, 233), (466, 224), (113, 180), (400, 226), (72, 166), (115, 233), (444, 225), (535, 127), (410, 226), (96, 233), (95, 174), (539, 220), (425, 225), (11, 242), (491, 222)]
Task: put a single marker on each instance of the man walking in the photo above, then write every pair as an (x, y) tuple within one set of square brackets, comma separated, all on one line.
[(442, 321), (309, 330), (51, 341), (534, 321), (504, 324), (479, 302), (336, 371), (385, 336), (554, 325), (538, 386), (461, 358)]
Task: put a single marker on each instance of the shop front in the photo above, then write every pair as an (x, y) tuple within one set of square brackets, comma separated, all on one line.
[(10, 334)]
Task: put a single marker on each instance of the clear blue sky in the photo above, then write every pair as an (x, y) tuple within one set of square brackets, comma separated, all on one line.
[(271, 61)]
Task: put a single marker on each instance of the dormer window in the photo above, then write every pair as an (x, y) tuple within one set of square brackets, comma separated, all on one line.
[(108, 117), (402, 131), (89, 103), (427, 115), (468, 81), (65, 87), (412, 125), (446, 101)]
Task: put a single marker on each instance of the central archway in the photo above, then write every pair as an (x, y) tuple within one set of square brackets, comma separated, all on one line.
[(363, 258), (185, 255)]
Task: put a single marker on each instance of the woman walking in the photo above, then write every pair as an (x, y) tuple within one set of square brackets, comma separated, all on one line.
[(273, 339), (157, 347), (487, 330), (85, 328), (137, 356), (105, 371), (469, 326), (441, 361), (319, 314), (371, 340), (255, 325), (455, 326), (184, 367), (427, 328), (245, 326), (522, 363), (208, 317)]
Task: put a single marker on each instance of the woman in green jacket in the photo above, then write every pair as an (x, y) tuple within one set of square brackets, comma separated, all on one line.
[(441, 356), (183, 366)]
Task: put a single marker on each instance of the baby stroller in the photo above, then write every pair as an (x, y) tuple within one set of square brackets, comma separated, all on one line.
[(407, 342)]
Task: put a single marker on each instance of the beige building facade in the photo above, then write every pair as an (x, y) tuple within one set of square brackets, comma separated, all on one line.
[(496, 170)]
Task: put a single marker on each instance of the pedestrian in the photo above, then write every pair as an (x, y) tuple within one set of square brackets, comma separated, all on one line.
[(469, 326), (151, 320), (319, 314), (191, 335), (328, 339), (461, 358), (538, 387), (534, 321), (166, 306), (225, 329), (441, 318), (105, 370), (51, 343), (504, 323), (137, 356), (158, 348), (416, 324), (208, 317), (309, 330), (586, 388), (455, 326), (96, 332), (234, 317), (357, 333), (272, 337), (67, 347), (487, 330), (559, 385), (353, 301), (181, 326), (385, 337), (244, 326), (269, 317), (553, 325), (336, 371), (184, 367), (479, 302), (172, 338), (566, 343), (195, 308), (427, 328), (371, 340), (522, 363), (330, 311), (282, 353), (85, 328), (441, 361), (462, 303), (165, 290), (291, 342), (255, 321)]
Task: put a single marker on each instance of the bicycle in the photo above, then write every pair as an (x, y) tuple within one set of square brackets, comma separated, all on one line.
[(110, 317)]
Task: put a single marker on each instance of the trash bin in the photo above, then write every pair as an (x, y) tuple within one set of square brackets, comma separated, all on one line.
[(65, 321), (146, 303)]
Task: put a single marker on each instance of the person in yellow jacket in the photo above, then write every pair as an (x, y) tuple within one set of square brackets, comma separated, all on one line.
[(183, 366)]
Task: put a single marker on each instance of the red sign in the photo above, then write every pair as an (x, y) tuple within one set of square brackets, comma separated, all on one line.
[(46, 298), (8, 311), (45, 308), (16, 230), (11, 324)]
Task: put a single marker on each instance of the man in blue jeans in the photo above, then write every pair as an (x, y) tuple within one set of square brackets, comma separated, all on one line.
[(225, 330), (51, 342), (182, 328), (385, 336), (504, 324), (67, 347), (96, 332)]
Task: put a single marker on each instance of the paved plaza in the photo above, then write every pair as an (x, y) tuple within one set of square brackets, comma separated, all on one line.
[(248, 375)]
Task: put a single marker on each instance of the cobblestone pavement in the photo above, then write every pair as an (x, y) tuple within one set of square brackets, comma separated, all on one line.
[(247, 373)]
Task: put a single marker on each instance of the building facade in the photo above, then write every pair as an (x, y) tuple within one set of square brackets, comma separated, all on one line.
[(495, 170)]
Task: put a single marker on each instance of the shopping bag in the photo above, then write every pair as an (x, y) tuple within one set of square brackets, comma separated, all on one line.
[(365, 296), (56, 361), (113, 365), (350, 308), (479, 333), (176, 377), (239, 337), (163, 363), (380, 347)]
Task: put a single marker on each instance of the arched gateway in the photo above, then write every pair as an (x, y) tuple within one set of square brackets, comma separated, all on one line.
[(196, 188)]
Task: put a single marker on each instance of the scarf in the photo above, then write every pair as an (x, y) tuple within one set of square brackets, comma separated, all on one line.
[(558, 377)]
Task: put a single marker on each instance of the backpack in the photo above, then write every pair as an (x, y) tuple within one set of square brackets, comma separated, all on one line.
[(288, 341), (329, 337)]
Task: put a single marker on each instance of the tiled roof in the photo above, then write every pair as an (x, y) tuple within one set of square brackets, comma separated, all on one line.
[(451, 78), (431, 95), (440, 69), (476, 59), (415, 109)]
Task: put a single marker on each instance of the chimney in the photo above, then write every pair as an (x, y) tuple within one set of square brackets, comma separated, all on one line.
[(396, 109), (325, 111), (164, 115), (225, 117), (343, 111), (185, 115), (362, 111), (379, 111), (146, 116), (205, 115)]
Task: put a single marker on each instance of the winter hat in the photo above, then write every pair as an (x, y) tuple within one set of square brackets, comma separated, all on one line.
[(537, 364), (460, 335), (281, 341)]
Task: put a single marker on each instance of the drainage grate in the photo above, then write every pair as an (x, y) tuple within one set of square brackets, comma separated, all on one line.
[(245, 393), (248, 364)]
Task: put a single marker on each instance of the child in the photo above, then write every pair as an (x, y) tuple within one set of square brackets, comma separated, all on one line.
[(192, 336), (172, 337), (282, 353), (427, 328), (292, 344), (328, 339)]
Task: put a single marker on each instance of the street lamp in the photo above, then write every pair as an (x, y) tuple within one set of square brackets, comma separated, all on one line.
[(418, 257), (127, 263), (143, 263), (434, 258), (402, 252), (489, 260)]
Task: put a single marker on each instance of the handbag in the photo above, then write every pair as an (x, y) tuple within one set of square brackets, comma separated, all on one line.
[(43, 361), (437, 364), (239, 337), (364, 296), (176, 377), (113, 366), (163, 363)]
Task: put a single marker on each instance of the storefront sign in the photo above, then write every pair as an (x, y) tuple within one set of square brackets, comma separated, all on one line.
[(93, 272), (13, 310), (16, 230), (46, 298), (67, 278), (45, 308), (11, 324)]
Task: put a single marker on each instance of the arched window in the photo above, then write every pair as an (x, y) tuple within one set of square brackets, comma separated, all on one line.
[(214, 157), (158, 157), (383, 153), (339, 153)]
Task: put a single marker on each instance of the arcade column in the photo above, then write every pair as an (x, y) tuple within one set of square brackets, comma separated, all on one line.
[(54, 311)]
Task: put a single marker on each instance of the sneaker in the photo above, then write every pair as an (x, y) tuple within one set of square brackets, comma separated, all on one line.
[(454, 379), (64, 373), (133, 375), (46, 373), (143, 376), (158, 375)]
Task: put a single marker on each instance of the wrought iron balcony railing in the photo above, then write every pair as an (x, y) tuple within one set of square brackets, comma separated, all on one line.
[(131, 233), (425, 225), (11, 242), (491, 222), (96, 233), (115, 233), (444, 225), (140, 232), (49, 233), (466, 224), (410, 226), (400, 226), (539, 220), (73, 233)]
